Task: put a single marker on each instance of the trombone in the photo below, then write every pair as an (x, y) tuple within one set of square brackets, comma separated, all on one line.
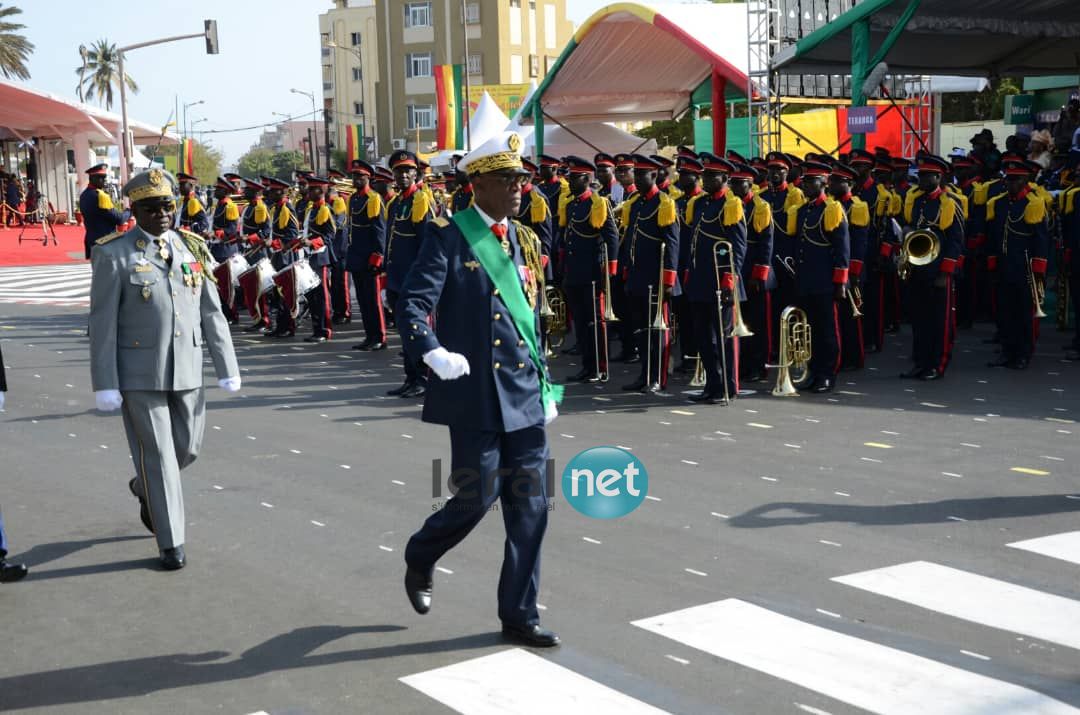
[(1038, 290), (658, 324), (738, 328)]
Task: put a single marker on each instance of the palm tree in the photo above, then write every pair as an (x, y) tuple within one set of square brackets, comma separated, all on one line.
[(101, 73), (14, 48)]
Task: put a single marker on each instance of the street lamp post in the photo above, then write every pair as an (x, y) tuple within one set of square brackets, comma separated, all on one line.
[(209, 33), (186, 126), (314, 128)]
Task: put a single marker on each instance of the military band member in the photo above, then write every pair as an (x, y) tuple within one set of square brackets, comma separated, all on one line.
[(689, 182), (624, 174), (1019, 242), (408, 214), (256, 232), (756, 276), (462, 196), (610, 188), (536, 216), (317, 241), (883, 246), (930, 291), (490, 384), (190, 214), (100, 217), (284, 230), (966, 171), (551, 185), (821, 269), (589, 234), (852, 347), (652, 234), (782, 196), (367, 254), (152, 307), (383, 184), (713, 216), (223, 242), (340, 297)]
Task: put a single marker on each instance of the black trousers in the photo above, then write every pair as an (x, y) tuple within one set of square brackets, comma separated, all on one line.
[(707, 325), (654, 361), (873, 308), (621, 305), (341, 301), (756, 350), (932, 324), (490, 467), (593, 343), (823, 314), (782, 296), (371, 307), (1016, 321), (684, 313), (852, 349), (1074, 295), (318, 300), (414, 372)]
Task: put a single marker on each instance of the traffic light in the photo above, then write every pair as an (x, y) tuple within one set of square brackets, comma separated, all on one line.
[(211, 36)]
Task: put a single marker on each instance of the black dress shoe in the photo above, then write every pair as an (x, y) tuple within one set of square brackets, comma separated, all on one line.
[(1000, 362), (533, 635), (1017, 364), (707, 398), (872, 348), (284, 333), (576, 350), (376, 347), (418, 389), (652, 388), (144, 508), (10, 573), (315, 339), (418, 588), (632, 359), (580, 375), (757, 376), (823, 385), (931, 375), (254, 328), (366, 345), (405, 387), (269, 333), (634, 386), (912, 374), (173, 559), (341, 320)]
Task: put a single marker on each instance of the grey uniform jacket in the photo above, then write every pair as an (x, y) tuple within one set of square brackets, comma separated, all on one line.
[(147, 325)]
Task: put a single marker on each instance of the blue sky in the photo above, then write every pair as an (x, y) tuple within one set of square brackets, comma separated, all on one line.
[(267, 47)]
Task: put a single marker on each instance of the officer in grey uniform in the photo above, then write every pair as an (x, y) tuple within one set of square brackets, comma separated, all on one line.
[(152, 306)]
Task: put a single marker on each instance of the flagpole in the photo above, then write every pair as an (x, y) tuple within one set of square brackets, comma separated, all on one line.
[(465, 71)]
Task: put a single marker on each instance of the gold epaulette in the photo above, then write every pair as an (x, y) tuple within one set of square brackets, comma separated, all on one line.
[(283, 217), (792, 220), (1068, 204), (981, 193), (834, 215), (104, 201), (949, 205), (733, 209), (690, 208), (421, 204), (794, 199), (564, 202), (909, 204), (624, 209), (374, 204), (323, 215), (193, 207), (860, 212), (538, 207), (762, 216), (190, 236), (340, 206), (991, 206), (1035, 211), (441, 221), (668, 213), (598, 212), (232, 213), (260, 214), (111, 237)]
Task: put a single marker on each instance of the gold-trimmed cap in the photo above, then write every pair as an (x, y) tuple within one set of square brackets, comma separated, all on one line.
[(500, 153), (152, 184)]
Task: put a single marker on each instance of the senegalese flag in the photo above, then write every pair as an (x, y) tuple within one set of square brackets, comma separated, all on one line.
[(450, 96), (354, 142), (187, 156)]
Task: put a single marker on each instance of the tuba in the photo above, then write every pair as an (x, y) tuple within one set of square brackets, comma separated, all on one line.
[(921, 247), (553, 313), (795, 351)]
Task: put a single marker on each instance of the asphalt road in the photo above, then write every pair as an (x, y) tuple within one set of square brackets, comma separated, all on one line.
[(311, 482)]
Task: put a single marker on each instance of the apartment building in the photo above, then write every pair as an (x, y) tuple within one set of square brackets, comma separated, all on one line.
[(509, 42), (350, 71)]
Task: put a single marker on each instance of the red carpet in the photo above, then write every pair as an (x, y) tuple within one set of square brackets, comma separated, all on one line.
[(31, 253)]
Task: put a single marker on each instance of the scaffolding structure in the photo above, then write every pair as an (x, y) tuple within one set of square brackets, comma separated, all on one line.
[(762, 88)]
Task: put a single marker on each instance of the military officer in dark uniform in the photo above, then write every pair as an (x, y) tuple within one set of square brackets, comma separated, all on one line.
[(408, 214), (713, 216), (755, 276), (652, 234), (689, 183), (852, 346), (284, 230), (536, 215), (821, 269), (100, 217), (663, 175), (223, 242), (462, 196), (551, 185), (968, 283), (781, 195), (1019, 243), (590, 241), (340, 296), (256, 232), (190, 214), (930, 291), (367, 253), (610, 188), (624, 174), (317, 239), (883, 243), (490, 383)]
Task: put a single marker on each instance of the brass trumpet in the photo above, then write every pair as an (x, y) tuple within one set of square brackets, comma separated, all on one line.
[(795, 351), (920, 248)]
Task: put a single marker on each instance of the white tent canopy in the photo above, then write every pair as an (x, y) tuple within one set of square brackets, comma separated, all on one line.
[(584, 139), (487, 121)]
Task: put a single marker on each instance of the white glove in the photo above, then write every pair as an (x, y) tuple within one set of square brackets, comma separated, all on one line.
[(2, 401), (447, 365), (108, 400), (229, 384), (550, 412)]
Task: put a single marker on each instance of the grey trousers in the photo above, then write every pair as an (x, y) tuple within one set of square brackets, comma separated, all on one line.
[(165, 433)]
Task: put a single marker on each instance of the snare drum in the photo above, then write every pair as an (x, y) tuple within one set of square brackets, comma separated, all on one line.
[(264, 269), (237, 265), (306, 278)]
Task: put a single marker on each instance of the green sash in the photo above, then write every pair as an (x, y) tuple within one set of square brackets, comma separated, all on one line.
[(504, 275)]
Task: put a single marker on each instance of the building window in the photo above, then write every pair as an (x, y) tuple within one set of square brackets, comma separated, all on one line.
[(550, 34), (420, 116), (514, 22), (534, 65), (357, 74), (515, 3), (418, 14), (476, 64), (532, 4), (472, 13), (516, 70), (549, 62), (354, 38), (358, 108), (418, 64)]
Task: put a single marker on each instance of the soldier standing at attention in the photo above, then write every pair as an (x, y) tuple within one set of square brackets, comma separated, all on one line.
[(151, 309), (100, 217), (367, 251)]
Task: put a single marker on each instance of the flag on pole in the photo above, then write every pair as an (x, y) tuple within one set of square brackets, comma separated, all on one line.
[(187, 156), (449, 95), (354, 142)]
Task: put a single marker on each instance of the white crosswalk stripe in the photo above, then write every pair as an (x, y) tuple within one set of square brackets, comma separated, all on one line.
[(1059, 546), (67, 284), (514, 681)]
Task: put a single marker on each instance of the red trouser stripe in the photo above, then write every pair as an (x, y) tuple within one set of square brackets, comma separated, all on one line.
[(839, 339)]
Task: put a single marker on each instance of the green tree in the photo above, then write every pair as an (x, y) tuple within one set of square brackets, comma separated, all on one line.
[(985, 105), (286, 162), (670, 132), (14, 48), (207, 160), (257, 162), (102, 73)]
